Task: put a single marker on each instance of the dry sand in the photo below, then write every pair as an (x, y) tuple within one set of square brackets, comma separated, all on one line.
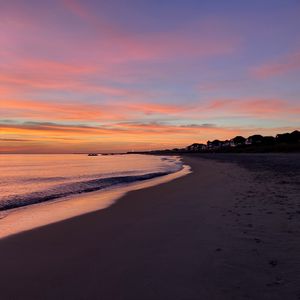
[(229, 230)]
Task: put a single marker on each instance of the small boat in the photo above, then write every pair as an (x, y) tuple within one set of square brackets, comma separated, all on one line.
[(92, 154)]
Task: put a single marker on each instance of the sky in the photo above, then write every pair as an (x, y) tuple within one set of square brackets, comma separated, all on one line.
[(113, 76)]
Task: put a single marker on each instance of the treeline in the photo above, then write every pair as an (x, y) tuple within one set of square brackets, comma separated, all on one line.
[(285, 142), (257, 142)]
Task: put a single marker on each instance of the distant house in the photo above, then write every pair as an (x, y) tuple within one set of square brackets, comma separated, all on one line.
[(295, 136), (254, 139), (283, 138), (267, 143), (215, 144), (289, 138), (226, 143), (196, 147), (237, 141), (269, 140), (248, 141)]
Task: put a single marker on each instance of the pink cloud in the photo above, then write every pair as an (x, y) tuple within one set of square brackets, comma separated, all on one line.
[(52, 67), (284, 65), (155, 108), (39, 110), (97, 112), (56, 77), (115, 44), (77, 9), (132, 111), (256, 108), (102, 52), (107, 41)]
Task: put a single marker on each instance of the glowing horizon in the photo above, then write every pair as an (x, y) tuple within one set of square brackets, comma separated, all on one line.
[(92, 76)]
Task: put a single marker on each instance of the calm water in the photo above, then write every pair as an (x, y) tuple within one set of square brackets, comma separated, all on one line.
[(30, 179)]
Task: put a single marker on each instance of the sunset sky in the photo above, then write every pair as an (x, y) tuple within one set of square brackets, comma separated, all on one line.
[(92, 75)]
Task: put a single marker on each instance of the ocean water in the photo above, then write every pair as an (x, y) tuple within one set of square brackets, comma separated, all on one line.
[(30, 179)]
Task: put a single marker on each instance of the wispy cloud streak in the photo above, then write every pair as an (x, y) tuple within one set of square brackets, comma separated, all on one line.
[(284, 65)]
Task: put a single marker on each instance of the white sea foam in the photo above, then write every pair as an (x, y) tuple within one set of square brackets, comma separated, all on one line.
[(146, 170), (31, 179)]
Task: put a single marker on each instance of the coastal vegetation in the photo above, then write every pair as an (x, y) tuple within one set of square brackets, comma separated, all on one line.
[(285, 142)]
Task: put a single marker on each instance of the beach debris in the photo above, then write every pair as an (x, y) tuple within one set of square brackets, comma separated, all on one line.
[(273, 262), (277, 281)]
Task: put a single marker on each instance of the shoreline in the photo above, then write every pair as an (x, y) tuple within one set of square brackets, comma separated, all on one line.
[(229, 230), (29, 217)]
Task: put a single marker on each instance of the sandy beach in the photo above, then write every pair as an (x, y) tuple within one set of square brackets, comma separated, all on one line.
[(229, 230)]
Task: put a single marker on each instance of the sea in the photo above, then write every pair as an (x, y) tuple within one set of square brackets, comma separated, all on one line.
[(30, 179)]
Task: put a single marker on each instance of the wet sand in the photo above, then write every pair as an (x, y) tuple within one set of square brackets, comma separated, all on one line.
[(229, 230), (26, 218)]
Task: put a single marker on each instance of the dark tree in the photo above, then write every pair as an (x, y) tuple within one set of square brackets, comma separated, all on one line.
[(283, 138), (256, 139), (239, 140), (269, 140), (295, 136), (216, 143), (289, 138)]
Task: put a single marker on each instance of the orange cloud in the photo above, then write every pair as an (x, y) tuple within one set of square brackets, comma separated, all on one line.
[(154, 132), (53, 137)]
